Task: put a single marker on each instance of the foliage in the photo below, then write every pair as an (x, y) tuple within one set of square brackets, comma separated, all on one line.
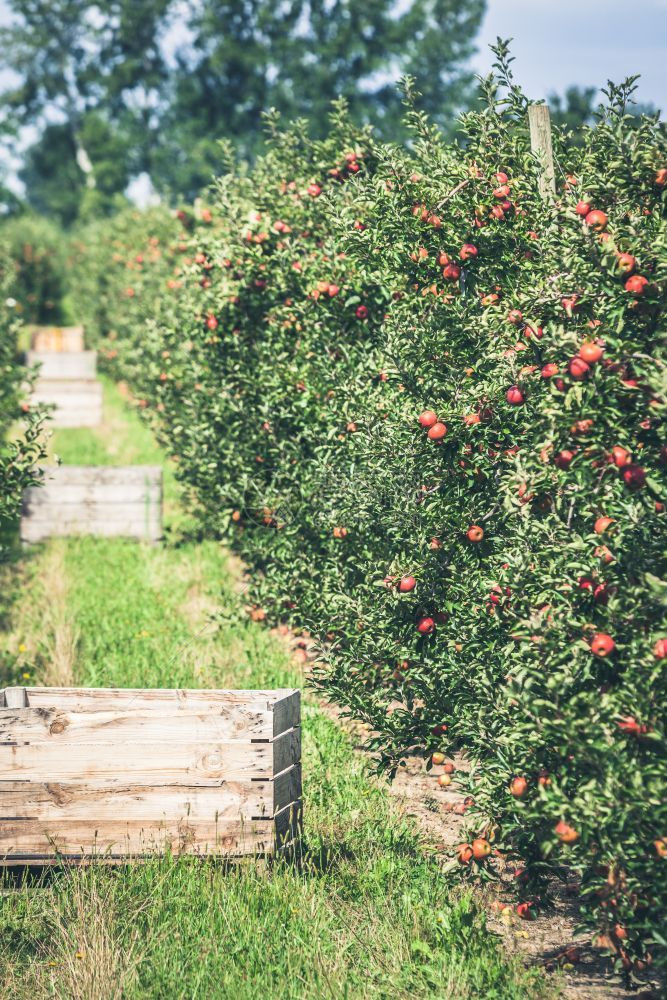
[(114, 91), (299, 60), (366, 914), (20, 453), (37, 250), (87, 77), (337, 291)]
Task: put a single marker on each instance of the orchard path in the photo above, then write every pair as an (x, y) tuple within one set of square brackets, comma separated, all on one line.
[(367, 915)]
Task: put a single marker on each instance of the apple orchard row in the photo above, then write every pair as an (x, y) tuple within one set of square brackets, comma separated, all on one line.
[(426, 406)]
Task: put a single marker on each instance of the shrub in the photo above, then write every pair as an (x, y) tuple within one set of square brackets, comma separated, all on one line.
[(19, 452), (37, 248), (466, 584)]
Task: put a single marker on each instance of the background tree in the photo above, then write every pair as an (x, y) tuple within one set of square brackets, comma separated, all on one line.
[(246, 56), (82, 68)]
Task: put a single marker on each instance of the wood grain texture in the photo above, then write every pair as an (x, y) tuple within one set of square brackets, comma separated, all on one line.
[(228, 800), (106, 501), (155, 763), (119, 773), (66, 364), (284, 704), (57, 338), (539, 122)]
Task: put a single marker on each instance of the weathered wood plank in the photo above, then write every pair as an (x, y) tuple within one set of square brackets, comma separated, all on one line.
[(57, 338), (103, 475), (208, 723), (229, 800), (38, 531), (64, 365), (79, 500), (539, 122), (150, 763), (93, 493), (77, 402), (283, 703), (31, 837)]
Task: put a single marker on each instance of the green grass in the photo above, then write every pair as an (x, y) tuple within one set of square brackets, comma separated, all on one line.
[(366, 915)]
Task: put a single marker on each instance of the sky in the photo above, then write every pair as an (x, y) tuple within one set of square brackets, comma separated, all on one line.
[(562, 42), (557, 43)]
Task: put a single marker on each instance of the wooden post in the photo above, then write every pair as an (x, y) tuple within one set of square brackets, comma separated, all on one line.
[(539, 121)]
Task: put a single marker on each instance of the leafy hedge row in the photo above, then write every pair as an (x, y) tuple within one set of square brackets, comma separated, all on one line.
[(428, 407), (20, 451)]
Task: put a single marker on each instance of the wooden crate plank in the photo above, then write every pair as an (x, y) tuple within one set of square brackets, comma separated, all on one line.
[(123, 501), (93, 493), (57, 338), (141, 529), (288, 824), (103, 475), (66, 364), (176, 699), (32, 837), (150, 763), (287, 787), (77, 402), (208, 723), (229, 800)]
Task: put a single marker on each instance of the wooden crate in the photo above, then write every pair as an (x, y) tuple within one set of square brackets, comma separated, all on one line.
[(56, 338), (66, 364), (94, 500), (77, 401), (118, 773)]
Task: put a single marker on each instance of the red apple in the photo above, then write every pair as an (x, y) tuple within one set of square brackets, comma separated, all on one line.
[(549, 369), (428, 418), (451, 272), (590, 351), (464, 854), (566, 833), (602, 644), (620, 456), (481, 848), (425, 625), (660, 649), (634, 476), (437, 432), (636, 285), (514, 396), (468, 251), (406, 584), (596, 219), (518, 787), (602, 524), (525, 910), (625, 263), (583, 208), (578, 368), (475, 533)]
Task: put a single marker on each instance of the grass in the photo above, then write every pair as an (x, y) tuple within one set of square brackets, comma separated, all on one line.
[(366, 915)]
